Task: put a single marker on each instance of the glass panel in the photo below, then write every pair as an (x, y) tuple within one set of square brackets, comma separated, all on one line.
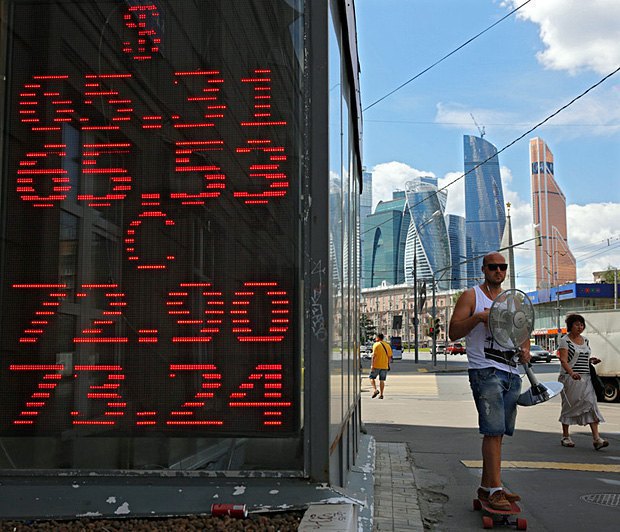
[(149, 255), (336, 235)]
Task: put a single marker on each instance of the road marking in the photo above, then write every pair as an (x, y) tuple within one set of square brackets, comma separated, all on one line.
[(411, 385), (566, 466)]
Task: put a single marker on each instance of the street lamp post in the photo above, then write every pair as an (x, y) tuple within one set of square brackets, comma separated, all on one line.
[(415, 283)]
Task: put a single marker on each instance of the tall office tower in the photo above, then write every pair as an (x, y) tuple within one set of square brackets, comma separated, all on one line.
[(485, 215), (458, 251), (365, 210), (555, 264), (427, 237), (336, 236), (384, 242)]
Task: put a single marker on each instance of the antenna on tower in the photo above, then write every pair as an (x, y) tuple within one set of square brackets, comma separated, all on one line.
[(481, 129)]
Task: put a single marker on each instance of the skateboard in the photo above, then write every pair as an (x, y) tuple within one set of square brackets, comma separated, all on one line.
[(493, 517)]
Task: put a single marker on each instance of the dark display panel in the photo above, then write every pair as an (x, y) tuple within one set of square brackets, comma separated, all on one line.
[(150, 220)]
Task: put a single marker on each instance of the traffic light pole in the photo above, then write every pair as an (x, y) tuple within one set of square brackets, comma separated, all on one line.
[(415, 303), (434, 326)]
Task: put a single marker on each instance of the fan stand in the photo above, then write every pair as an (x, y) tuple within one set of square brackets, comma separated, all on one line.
[(511, 321), (539, 392)]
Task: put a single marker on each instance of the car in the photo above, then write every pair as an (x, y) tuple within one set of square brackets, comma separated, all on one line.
[(539, 354), (456, 348), (366, 351), (397, 347)]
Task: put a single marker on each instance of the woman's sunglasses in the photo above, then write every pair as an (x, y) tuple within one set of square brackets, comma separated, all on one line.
[(493, 267)]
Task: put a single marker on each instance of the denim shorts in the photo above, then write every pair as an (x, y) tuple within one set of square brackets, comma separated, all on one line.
[(381, 372), (496, 393)]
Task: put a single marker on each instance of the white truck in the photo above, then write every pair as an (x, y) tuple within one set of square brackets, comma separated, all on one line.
[(603, 333)]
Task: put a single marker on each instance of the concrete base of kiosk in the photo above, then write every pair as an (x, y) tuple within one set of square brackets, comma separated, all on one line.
[(71, 495)]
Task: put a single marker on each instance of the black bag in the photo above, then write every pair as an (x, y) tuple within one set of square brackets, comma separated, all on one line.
[(599, 387)]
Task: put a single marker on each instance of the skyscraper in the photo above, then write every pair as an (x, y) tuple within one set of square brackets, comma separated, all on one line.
[(555, 264), (458, 252), (384, 242), (365, 210), (485, 215), (427, 236)]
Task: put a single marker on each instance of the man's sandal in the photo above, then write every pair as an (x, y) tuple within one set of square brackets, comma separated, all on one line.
[(375, 394), (567, 442)]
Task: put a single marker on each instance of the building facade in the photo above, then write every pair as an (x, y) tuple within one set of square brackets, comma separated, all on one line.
[(365, 211), (485, 215), (427, 241), (555, 264), (458, 251), (384, 242)]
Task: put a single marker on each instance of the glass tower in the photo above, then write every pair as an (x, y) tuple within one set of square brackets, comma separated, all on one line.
[(384, 242), (427, 236), (365, 210), (485, 214), (458, 251)]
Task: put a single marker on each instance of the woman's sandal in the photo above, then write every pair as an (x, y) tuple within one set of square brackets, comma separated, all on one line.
[(600, 443), (567, 442)]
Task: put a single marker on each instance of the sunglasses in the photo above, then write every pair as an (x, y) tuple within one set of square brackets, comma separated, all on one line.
[(494, 267)]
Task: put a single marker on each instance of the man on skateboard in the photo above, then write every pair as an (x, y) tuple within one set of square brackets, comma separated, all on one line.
[(493, 377)]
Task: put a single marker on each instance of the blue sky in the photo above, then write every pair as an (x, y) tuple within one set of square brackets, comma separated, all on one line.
[(510, 78)]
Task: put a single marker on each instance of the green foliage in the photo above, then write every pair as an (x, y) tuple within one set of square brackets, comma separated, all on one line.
[(368, 330), (608, 275)]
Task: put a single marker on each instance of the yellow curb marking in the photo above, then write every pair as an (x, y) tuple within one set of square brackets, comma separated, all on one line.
[(422, 370), (567, 466)]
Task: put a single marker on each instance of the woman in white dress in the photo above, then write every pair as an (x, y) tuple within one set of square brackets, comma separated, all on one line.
[(579, 406)]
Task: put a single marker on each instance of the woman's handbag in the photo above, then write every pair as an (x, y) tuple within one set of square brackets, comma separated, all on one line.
[(599, 387)]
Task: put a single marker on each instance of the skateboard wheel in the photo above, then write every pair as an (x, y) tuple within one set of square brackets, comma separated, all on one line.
[(521, 523), (477, 505), (487, 522)]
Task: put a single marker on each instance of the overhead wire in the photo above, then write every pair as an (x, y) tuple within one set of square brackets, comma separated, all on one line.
[(471, 39), (511, 143)]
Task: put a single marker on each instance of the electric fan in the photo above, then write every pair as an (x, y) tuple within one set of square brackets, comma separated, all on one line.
[(511, 322)]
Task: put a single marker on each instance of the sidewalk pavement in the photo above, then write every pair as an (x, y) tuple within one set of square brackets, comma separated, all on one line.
[(395, 492), (394, 504)]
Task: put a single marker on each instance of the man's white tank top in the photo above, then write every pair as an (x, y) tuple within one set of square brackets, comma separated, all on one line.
[(480, 339)]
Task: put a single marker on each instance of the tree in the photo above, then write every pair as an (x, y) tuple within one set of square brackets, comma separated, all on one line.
[(368, 330), (607, 276)]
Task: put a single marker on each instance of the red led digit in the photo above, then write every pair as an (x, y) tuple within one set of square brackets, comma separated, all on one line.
[(46, 312), (205, 108), (106, 390), (245, 330), (104, 329), (107, 107), (265, 167), (143, 40), (96, 165), (190, 161), (39, 398), (262, 389), (42, 179), (44, 105), (196, 328), (133, 232), (262, 89), (192, 412)]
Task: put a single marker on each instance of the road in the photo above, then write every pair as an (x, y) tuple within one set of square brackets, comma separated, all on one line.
[(562, 488)]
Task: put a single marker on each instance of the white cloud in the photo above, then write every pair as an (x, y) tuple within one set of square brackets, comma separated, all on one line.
[(577, 35), (388, 177), (456, 192), (589, 228)]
